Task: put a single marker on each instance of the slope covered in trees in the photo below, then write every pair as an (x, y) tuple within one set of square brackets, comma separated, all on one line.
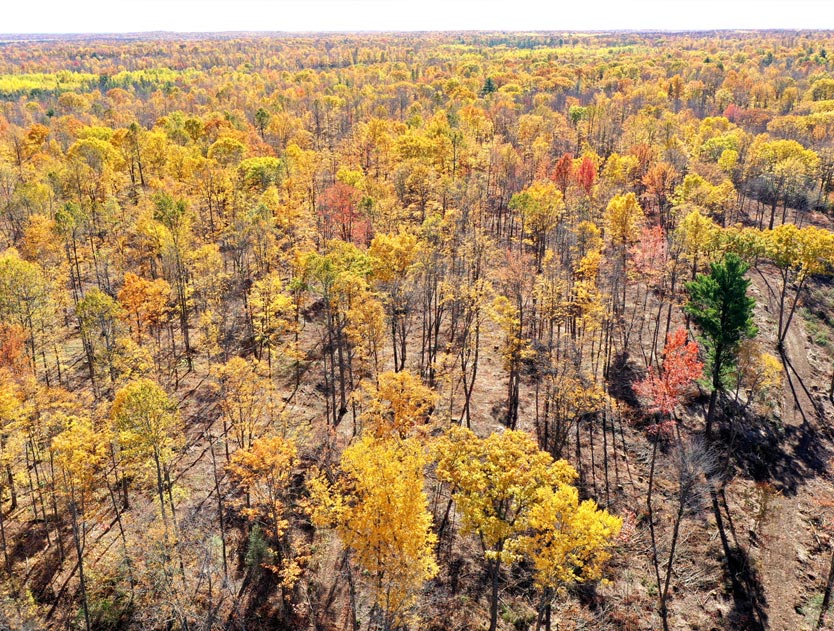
[(449, 331)]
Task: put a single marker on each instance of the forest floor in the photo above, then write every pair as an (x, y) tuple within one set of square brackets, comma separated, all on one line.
[(776, 500), (786, 538)]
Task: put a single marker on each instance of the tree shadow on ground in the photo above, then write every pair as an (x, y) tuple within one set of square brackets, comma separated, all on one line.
[(32, 543), (622, 375), (749, 611), (784, 456)]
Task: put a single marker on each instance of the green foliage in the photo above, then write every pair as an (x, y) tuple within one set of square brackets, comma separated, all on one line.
[(260, 173), (64, 81), (719, 305), (258, 551), (385, 223)]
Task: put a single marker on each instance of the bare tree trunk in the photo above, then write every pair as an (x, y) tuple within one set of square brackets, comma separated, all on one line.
[(826, 598), (494, 571), (219, 512), (6, 560), (655, 561), (79, 550)]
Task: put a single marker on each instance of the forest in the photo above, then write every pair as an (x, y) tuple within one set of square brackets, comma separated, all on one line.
[(439, 331)]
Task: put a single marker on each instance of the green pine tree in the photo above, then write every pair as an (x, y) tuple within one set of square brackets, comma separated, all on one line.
[(719, 305), (489, 87)]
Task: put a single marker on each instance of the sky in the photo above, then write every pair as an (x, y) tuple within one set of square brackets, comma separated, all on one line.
[(131, 16)]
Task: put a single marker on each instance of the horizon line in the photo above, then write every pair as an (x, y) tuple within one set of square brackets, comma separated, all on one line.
[(721, 29)]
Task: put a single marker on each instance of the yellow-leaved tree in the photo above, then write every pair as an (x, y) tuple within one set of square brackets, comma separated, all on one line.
[(148, 428), (760, 375), (379, 508), (623, 218), (12, 413), (78, 452), (396, 404), (520, 502), (245, 396), (515, 350), (393, 256), (696, 237), (569, 541), (263, 471), (365, 331), (541, 206), (798, 254), (271, 312), (145, 304)]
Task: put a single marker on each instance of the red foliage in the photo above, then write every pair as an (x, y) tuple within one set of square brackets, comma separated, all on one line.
[(665, 389), (731, 112), (339, 205), (12, 349), (753, 120), (650, 255), (563, 172), (586, 175)]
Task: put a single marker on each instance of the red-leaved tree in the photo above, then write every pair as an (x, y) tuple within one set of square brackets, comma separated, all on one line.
[(563, 172), (665, 389), (342, 214), (586, 174)]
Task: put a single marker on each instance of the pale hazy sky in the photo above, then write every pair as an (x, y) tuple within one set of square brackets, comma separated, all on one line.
[(120, 16)]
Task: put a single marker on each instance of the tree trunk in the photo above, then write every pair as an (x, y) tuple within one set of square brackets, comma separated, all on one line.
[(664, 596), (6, 559), (711, 413), (118, 513), (655, 561), (713, 397), (831, 389), (495, 569), (220, 513), (12, 489), (826, 598), (79, 550)]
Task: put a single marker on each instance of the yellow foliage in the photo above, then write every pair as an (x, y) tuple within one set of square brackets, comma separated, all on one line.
[(697, 236), (806, 251), (145, 302), (208, 278), (396, 405), (495, 481), (519, 501), (272, 312), (516, 348), (570, 539), (623, 218), (366, 330), (760, 375), (40, 242), (79, 450), (619, 169), (551, 298), (698, 192), (264, 472), (244, 395), (380, 511), (541, 206), (747, 243), (394, 254), (588, 237), (146, 422)]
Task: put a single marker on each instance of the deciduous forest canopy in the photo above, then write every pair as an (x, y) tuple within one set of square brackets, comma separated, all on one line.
[(417, 331)]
